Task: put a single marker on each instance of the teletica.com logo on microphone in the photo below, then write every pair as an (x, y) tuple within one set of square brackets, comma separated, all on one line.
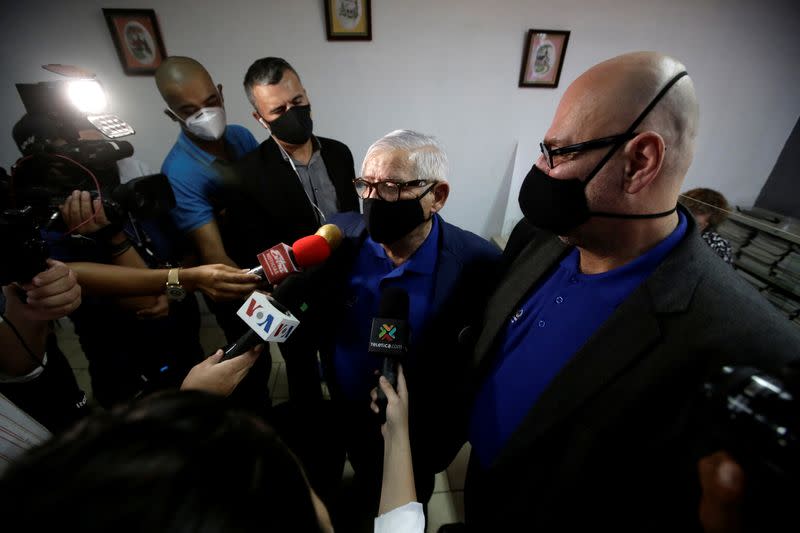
[(387, 332), (384, 338)]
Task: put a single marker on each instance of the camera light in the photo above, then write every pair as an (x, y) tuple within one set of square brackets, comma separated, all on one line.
[(87, 96)]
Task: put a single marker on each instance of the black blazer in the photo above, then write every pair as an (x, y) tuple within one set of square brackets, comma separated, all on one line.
[(266, 203), (611, 443)]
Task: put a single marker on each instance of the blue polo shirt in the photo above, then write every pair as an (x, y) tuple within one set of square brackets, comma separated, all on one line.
[(196, 176), (553, 323), (353, 366)]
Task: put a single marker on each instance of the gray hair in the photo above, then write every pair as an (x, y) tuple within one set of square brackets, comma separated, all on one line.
[(425, 153), (265, 71)]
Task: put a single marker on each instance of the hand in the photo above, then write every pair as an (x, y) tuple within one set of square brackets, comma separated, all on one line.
[(77, 210), (220, 282), (396, 425), (51, 294), (159, 310), (220, 377), (722, 481)]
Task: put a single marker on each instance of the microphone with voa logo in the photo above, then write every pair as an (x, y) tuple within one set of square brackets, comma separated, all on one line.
[(389, 335), (267, 318), (292, 293), (281, 260)]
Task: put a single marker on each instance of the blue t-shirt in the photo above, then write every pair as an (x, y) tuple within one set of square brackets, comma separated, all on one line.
[(195, 176), (372, 272), (553, 323)]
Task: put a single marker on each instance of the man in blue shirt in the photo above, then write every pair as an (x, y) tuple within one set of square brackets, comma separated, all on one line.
[(400, 241), (199, 164), (612, 314)]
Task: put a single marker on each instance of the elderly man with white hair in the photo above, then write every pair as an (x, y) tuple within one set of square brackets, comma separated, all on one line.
[(401, 241)]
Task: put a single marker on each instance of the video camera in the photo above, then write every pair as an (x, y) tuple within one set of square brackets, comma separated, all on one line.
[(56, 161), (754, 416)]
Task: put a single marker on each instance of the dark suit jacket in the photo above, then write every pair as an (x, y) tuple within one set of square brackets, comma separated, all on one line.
[(437, 370), (267, 204), (611, 442)]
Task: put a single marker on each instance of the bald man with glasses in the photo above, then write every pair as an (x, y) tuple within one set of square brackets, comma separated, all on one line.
[(596, 343)]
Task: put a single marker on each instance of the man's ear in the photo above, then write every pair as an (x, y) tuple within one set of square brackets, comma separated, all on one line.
[(644, 158), (219, 88), (440, 194)]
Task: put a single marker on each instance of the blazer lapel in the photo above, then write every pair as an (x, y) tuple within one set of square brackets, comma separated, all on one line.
[(533, 262), (619, 342)]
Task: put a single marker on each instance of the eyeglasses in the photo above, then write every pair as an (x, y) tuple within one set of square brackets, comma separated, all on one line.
[(389, 190), (550, 153)]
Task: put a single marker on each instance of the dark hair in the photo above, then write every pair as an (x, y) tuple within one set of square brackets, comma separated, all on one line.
[(707, 202), (177, 461), (265, 71)]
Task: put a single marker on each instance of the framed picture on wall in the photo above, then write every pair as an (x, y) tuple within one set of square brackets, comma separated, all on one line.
[(542, 58), (137, 38), (348, 20)]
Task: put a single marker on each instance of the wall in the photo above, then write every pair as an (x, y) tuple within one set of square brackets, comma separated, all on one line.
[(446, 67), (781, 192)]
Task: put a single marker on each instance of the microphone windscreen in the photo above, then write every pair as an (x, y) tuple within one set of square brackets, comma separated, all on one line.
[(332, 234), (310, 251), (394, 303)]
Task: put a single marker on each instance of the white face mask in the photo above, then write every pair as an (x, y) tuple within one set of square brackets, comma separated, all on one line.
[(207, 124)]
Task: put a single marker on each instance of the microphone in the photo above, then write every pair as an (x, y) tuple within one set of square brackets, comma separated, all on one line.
[(267, 318), (293, 289), (281, 260), (389, 335)]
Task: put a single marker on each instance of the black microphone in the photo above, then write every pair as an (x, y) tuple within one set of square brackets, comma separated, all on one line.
[(288, 302), (389, 336)]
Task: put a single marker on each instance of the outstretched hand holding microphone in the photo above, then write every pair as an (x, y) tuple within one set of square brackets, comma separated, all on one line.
[(272, 317)]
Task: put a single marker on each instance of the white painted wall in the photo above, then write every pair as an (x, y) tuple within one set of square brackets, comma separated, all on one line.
[(447, 67)]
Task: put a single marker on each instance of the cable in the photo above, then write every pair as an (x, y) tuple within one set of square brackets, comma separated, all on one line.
[(21, 340), (89, 172)]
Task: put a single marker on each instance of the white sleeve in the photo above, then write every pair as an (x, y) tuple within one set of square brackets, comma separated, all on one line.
[(406, 519)]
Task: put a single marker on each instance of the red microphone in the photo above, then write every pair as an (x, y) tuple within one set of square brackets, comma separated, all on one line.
[(282, 260)]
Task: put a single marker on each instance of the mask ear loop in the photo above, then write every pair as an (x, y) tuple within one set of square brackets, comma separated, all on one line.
[(635, 125), (320, 216)]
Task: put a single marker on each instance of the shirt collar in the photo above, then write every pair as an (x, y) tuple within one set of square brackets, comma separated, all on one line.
[(198, 153), (423, 260), (644, 264)]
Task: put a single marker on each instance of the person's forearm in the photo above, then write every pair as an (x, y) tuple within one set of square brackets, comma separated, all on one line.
[(15, 360), (131, 258), (112, 280), (398, 475)]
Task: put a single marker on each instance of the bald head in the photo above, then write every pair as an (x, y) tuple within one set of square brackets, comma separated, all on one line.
[(186, 86), (608, 97)]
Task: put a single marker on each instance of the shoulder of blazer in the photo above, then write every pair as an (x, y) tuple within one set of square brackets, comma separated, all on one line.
[(266, 159), (464, 245), (334, 145)]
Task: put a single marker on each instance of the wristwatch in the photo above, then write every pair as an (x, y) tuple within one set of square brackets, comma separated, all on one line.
[(175, 291)]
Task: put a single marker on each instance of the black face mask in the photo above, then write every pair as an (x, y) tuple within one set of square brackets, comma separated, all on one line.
[(294, 126), (388, 222), (559, 205)]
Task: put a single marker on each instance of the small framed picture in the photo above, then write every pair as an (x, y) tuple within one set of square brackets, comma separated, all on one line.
[(137, 38), (542, 58), (348, 20)]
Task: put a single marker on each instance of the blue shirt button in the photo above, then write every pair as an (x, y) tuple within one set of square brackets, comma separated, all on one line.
[(541, 323), (559, 299)]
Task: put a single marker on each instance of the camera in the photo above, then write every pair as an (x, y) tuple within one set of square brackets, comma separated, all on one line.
[(22, 244), (753, 415)]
